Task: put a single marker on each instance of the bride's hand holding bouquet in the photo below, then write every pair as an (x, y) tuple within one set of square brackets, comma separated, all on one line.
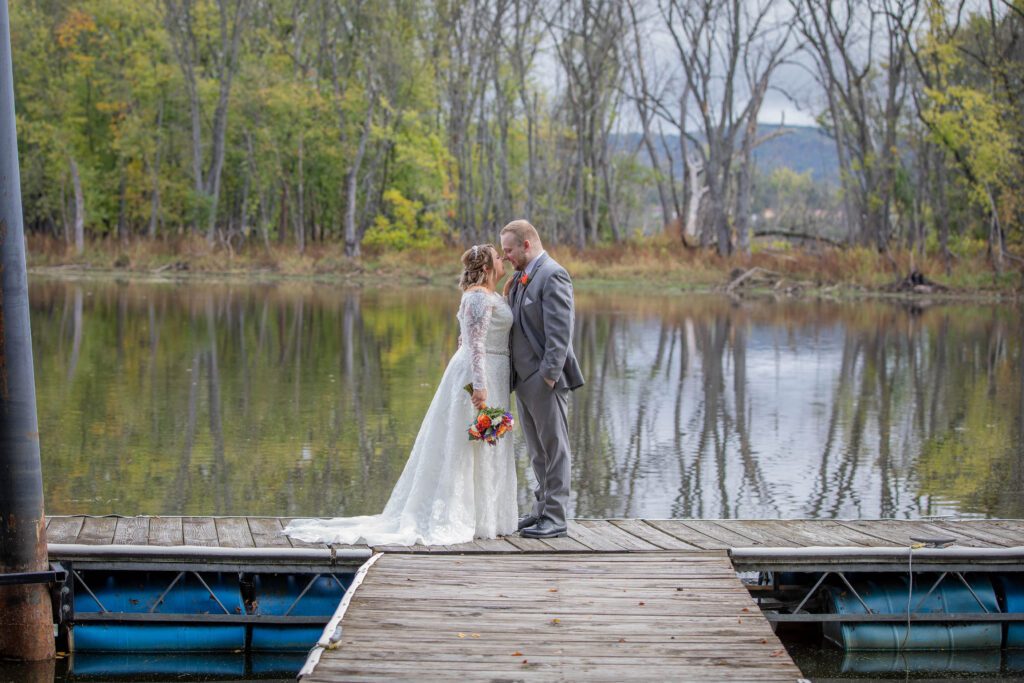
[(490, 424)]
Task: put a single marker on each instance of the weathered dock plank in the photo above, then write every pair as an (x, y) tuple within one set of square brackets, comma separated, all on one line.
[(641, 529), (893, 532), (469, 547), (132, 531), (555, 616), (730, 536), (685, 533), (63, 529), (97, 531), (1012, 528), (529, 544), (166, 531), (762, 532), (620, 536), (496, 545), (199, 531), (828, 532), (267, 532), (567, 544), (233, 532), (989, 534), (591, 539)]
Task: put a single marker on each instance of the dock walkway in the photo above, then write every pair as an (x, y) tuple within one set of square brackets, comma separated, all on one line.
[(677, 616), (617, 599), (585, 535)]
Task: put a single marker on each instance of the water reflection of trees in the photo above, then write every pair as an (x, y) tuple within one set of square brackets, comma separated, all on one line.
[(797, 409), (306, 399), (272, 400)]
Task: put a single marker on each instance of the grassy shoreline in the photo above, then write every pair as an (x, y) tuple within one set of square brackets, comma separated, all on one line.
[(654, 264)]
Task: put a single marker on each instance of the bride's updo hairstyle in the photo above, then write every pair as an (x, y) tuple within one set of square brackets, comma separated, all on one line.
[(475, 263)]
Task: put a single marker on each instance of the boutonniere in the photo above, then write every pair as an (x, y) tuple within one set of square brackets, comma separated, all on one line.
[(524, 279)]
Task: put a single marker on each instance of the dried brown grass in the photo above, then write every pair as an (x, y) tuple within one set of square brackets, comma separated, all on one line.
[(638, 263)]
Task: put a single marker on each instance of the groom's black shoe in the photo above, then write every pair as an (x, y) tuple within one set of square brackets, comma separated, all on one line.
[(545, 528), (528, 520)]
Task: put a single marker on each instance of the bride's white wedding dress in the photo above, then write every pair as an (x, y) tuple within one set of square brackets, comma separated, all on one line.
[(452, 490)]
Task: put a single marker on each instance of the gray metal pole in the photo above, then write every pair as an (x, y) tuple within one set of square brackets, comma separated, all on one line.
[(26, 623)]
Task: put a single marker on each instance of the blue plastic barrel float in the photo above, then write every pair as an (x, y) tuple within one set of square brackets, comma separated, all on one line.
[(123, 664), (887, 594), (131, 665), (137, 593), (276, 593), (1011, 592), (921, 661), (278, 664)]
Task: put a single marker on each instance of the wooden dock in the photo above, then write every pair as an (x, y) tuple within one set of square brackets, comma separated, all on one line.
[(554, 616), (617, 599), (585, 535)]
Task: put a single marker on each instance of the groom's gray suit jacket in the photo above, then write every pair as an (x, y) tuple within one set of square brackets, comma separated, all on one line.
[(541, 339)]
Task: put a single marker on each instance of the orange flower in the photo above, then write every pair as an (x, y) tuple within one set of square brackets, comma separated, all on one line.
[(474, 433), (483, 422), (524, 279)]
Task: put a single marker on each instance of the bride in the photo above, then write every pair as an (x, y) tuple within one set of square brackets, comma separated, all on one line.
[(452, 490)]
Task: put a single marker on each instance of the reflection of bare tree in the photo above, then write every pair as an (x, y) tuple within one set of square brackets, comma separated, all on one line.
[(183, 482), (594, 463), (582, 417), (688, 484), (887, 499), (684, 366), (76, 334), (221, 473), (359, 383), (995, 353), (711, 345), (283, 339), (352, 323), (629, 474), (154, 343), (751, 469), (299, 330), (879, 355), (121, 318), (823, 485), (843, 481), (916, 360), (261, 342), (938, 376), (243, 361)]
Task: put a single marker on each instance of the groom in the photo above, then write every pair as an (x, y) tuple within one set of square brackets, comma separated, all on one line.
[(544, 371)]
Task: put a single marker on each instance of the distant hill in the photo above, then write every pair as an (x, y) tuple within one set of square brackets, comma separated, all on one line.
[(800, 148)]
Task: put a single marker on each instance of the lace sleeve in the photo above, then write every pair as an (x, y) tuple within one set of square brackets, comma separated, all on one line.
[(478, 319)]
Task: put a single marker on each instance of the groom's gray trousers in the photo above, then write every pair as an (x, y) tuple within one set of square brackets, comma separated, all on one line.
[(543, 412), (540, 344)]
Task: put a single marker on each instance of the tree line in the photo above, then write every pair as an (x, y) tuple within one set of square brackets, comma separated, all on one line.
[(389, 124)]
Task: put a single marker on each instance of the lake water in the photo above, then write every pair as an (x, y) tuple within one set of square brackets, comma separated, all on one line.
[(304, 399)]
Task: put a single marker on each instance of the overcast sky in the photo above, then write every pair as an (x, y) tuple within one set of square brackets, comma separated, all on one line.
[(791, 80)]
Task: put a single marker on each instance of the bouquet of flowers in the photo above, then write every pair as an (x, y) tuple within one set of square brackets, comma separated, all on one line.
[(490, 424)]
